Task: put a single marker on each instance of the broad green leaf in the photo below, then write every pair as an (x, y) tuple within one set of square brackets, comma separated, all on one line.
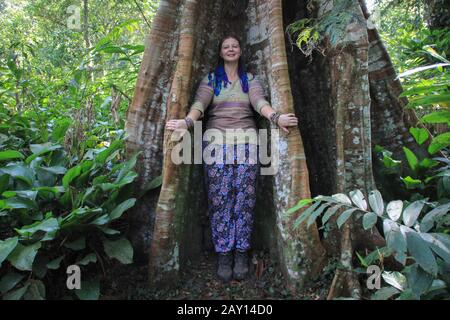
[(376, 202), (330, 212), (20, 172), (90, 290), (87, 167), (439, 142), (369, 220), (298, 206), (394, 209), (419, 89), (6, 247), (9, 281), (362, 260), (441, 248), (48, 225), (343, 217), (126, 167), (43, 148), (421, 252), (121, 208), (342, 198), (418, 280), (109, 231), (36, 290), (76, 245), (70, 175), (431, 51), (99, 180), (430, 218), (81, 215), (40, 149), (378, 255), (113, 49), (358, 199), (389, 225), (428, 100), (29, 194), (427, 163), (102, 220), (305, 214), (23, 256), (315, 214), (54, 264), (55, 170), (385, 293), (10, 154), (406, 295), (411, 213), (390, 163), (9, 194), (91, 257), (120, 249), (60, 129), (157, 182), (411, 183), (55, 190), (40, 265), (442, 116), (437, 285), (444, 238), (396, 243), (395, 279), (420, 134), (326, 198), (17, 294), (20, 203), (4, 182), (103, 156), (125, 180), (412, 159)]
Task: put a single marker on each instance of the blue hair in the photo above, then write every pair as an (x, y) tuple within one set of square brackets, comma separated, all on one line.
[(220, 77)]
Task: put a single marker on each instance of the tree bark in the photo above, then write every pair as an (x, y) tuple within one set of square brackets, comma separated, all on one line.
[(164, 262), (146, 119)]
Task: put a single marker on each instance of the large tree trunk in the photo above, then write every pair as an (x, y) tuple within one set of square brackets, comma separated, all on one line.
[(340, 99)]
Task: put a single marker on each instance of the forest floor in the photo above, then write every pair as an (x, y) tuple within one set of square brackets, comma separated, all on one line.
[(199, 282)]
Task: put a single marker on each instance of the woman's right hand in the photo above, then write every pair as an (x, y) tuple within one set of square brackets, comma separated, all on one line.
[(176, 124)]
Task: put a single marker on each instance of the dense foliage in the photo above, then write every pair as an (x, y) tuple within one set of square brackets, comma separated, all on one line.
[(66, 78)]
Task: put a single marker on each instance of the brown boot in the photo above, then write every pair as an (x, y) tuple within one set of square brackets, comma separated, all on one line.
[(224, 269), (240, 269)]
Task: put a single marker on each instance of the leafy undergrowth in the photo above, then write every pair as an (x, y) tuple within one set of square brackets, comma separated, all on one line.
[(199, 282)]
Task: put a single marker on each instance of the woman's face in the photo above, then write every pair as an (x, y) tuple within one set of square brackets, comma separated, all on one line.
[(230, 50)]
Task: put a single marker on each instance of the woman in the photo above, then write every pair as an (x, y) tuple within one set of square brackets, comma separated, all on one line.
[(231, 187)]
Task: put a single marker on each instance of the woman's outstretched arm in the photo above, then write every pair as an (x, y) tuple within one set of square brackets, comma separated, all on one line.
[(203, 98), (174, 124), (284, 121)]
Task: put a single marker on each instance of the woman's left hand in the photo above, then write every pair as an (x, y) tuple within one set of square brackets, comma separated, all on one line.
[(287, 120)]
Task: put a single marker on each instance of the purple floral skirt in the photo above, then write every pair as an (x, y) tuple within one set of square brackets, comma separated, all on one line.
[(231, 191)]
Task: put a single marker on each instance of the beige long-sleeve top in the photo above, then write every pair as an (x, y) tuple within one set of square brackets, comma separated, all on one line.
[(232, 108)]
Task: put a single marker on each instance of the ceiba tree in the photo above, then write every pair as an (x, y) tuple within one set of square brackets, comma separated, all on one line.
[(346, 101)]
